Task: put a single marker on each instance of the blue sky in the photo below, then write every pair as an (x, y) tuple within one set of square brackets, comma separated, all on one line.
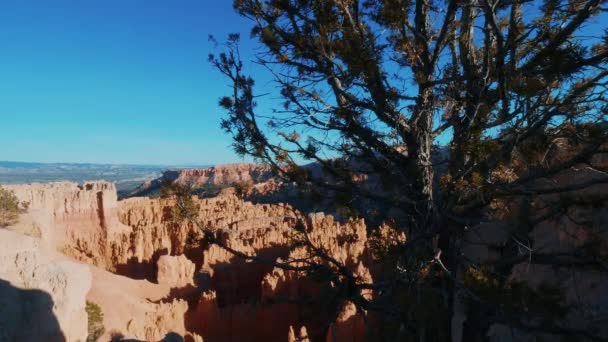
[(119, 81), (113, 81)]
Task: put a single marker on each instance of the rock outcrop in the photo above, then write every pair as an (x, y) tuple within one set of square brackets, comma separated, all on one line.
[(227, 313), (42, 295), (175, 271), (77, 220), (136, 309)]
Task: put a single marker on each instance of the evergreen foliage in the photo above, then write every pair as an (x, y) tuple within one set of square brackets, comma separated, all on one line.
[(9, 207), (458, 109)]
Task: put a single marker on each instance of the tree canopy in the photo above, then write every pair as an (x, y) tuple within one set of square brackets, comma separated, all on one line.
[(454, 105)]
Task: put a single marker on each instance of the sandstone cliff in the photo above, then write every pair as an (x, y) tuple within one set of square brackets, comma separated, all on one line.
[(77, 220), (136, 309), (42, 296)]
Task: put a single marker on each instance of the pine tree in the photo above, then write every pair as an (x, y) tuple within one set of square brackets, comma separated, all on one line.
[(455, 105)]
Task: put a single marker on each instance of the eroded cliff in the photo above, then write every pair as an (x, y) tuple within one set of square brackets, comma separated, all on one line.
[(166, 281), (42, 295)]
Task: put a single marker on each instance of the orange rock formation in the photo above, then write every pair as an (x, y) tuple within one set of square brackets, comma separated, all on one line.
[(151, 276), (140, 242)]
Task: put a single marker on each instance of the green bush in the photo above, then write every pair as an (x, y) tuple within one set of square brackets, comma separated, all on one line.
[(241, 189), (95, 316), (9, 207)]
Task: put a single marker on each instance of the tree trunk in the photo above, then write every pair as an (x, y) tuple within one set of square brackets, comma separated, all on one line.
[(420, 147)]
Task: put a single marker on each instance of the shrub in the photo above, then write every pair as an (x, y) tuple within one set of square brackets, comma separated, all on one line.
[(9, 207), (95, 316), (241, 189)]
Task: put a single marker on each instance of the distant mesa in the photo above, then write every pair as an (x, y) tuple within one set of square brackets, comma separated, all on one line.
[(209, 181)]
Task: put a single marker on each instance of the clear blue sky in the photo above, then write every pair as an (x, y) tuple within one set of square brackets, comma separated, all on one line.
[(113, 81), (117, 81)]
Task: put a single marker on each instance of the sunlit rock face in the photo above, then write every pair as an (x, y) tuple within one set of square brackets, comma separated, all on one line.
[(259, 302), (175, 271), (76, 220), (136, 309), (42, 295)]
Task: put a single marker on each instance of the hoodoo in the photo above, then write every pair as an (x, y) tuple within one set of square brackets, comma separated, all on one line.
[(150, 278)]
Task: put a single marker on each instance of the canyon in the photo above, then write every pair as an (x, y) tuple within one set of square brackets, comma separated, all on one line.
[(150, 279), (153, 276)]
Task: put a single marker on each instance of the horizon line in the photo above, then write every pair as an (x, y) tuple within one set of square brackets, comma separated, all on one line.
[(110, 163)]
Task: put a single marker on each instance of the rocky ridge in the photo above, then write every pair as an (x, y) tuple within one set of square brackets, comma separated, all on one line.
[(215, 177)]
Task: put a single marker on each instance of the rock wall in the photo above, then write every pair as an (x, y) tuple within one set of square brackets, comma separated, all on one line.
[(234, 304), (136, 309), (154, 231), (77, 220), (237, 302), (83, 223), (42, 296)]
